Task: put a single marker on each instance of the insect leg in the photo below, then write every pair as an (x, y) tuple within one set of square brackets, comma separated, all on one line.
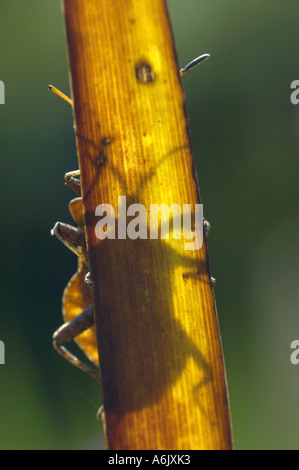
[(206, 226), (59, 93), (101, 414), (68, 332), (73, 238), (73, 182), (88, 281)]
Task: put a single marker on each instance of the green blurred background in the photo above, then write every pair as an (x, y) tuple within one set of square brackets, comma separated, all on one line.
[(245, 135)]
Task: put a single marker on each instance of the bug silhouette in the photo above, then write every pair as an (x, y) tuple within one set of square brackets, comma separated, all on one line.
[(77, 300), (77, 309)]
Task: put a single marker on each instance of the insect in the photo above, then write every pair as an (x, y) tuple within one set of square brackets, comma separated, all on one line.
[(77, 299)]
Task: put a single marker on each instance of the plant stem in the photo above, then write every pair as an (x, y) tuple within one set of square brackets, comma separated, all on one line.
[(160, 352)]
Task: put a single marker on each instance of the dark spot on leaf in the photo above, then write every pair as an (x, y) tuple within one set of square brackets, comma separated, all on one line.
[(101, 161), (144, 73), (107, 140)]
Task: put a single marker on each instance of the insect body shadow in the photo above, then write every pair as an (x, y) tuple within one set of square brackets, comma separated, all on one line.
[(135, 278), (139, 310)]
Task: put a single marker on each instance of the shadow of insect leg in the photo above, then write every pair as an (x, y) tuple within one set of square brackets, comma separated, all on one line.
[(67, 332)]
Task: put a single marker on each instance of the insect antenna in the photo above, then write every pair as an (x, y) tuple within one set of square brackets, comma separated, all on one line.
[(59, 93), (193, 63)]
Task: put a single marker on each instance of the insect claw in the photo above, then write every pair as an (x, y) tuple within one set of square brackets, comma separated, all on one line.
[(88, 280), (206, 226), (73, 182), (101, 414)]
